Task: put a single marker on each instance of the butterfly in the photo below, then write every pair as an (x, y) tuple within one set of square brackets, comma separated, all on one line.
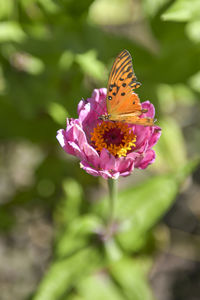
[(121, 101)]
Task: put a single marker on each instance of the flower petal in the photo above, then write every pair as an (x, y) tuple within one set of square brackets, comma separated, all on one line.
[(84, 112), (148, 158), (91, 155), (77, 151), (107, 160), (151, 110), (155, 136), (85, 166), (99, 95), (125, 166), (61, 137), (143, 134)]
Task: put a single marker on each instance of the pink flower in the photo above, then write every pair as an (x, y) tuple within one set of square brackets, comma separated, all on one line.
[(105, 148)]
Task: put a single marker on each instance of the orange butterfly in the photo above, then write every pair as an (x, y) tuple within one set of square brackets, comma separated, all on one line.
[(122, 103)]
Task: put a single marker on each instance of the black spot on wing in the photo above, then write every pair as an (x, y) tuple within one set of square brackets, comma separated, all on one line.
[(130, 75)]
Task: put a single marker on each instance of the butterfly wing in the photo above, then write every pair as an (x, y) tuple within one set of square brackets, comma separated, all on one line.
[(133, 119), (122, 102)]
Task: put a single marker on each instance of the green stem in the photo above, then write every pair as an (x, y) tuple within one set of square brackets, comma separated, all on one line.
[(112, 186)]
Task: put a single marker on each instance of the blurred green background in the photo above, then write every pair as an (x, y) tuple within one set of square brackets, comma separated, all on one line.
[(53, 53)]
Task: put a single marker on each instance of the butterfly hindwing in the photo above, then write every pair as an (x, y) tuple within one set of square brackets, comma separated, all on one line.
[(133, 119), (121, 83)]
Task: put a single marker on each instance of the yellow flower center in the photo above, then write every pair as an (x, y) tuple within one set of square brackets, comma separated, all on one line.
[(117, 137)]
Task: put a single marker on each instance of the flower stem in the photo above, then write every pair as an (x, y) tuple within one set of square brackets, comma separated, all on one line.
[(112, 186)]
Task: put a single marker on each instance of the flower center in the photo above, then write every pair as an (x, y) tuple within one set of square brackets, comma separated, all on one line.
[(117, 137)]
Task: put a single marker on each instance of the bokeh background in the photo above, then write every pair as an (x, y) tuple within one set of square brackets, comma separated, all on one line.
[(53, 53)]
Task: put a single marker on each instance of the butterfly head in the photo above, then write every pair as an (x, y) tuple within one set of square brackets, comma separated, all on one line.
[(104, 117)]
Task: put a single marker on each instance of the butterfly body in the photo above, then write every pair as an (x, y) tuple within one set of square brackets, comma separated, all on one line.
[(122, 103)]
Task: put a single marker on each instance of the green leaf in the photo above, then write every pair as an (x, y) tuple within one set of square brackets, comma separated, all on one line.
[(141, 207), (66, 60), (110, 12), (131, 277), (152, 7), (91, 65), (6, 8), (193, 31), (77, 10), (99, 286), (170, 95), (64, 274), (171, 150), (49, 5), (194, 82), (58, 113), (77, 235), (11, 31), (30, 64), (69, 207), (182, 10)]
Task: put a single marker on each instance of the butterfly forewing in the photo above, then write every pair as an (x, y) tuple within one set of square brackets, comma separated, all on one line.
[(121, 83), (122, 103)]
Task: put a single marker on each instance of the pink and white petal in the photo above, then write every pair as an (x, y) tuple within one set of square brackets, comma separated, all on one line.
[(105, 174), (102, 97), (103, 92), (125, 165), (133, 155), (84, 112), (77, 151), (107, 160), (99, 95), (151, 110), (85, 166), (125, 174), (81, 105), (71, 123), (91, 155), (61, 137), (143, 148), (143, 134), (79, 135), (155, 136), (149, 158), (99, 101), (90, 122), (109, 174), (116, 175)]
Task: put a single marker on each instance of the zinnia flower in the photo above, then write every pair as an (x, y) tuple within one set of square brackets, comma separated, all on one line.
[(106, 148)]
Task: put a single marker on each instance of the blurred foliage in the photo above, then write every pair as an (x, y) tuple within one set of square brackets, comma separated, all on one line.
[(53, 53), (109, 261)]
